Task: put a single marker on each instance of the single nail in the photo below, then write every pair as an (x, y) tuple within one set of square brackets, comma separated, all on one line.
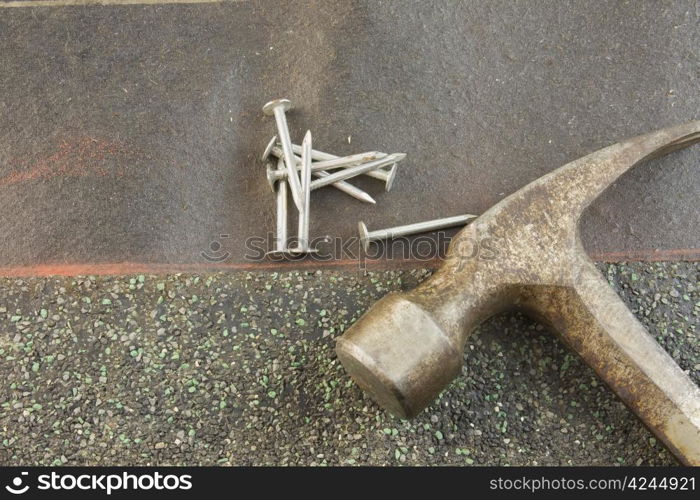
[(281, 216), (344, 162), (347, 173), (349, 189), (277, 108), (303, 233), (276, 175), (383, 175), (338, 162), (419, 227)]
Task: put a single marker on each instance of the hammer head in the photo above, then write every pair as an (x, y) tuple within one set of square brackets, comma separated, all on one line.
[(399, 355)]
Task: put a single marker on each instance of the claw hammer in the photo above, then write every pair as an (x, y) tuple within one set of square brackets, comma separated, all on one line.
[(409, 346)]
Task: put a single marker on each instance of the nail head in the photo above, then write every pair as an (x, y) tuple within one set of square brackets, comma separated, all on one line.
[(269, 108)]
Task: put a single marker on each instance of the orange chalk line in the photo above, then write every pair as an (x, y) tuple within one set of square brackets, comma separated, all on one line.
[(117, 268), (73, 157), (120, 268), (688, 254), (73, 3)]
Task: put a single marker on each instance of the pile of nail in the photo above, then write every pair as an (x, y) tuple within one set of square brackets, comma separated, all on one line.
[(297, 164)]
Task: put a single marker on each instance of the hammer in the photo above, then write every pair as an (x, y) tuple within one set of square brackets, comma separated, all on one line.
[(409, 346)]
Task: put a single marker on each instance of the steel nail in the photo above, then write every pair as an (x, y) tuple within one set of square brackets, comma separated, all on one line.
[(281, 216), (303, 234), (277, 108), (344, 162), (303, 229), (419, 227), (275, 175), (349, 189), (338, 161), (358, 170), (383, 175)]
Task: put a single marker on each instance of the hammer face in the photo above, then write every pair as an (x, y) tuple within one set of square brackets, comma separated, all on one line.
[(399, 355)]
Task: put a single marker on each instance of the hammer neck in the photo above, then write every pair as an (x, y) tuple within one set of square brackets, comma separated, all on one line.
[(459, 303)]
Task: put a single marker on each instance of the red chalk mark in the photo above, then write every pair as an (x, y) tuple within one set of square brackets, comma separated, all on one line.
[(121, 268), (79, 157)]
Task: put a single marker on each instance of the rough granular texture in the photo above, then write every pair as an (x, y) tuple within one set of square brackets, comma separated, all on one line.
[(240, 369)]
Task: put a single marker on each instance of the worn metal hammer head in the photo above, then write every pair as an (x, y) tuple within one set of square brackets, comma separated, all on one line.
[(409, 346)]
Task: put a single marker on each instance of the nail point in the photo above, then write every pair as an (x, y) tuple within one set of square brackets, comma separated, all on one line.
[(268, 148), (369, 199), (364, 235), (390, 178)]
